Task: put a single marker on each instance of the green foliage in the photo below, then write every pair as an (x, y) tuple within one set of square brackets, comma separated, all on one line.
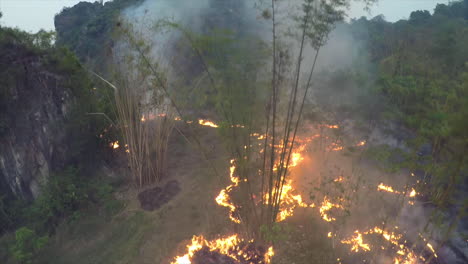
[(63, 194), (275, 232), (86, 29), (422, 85), (27, 245)]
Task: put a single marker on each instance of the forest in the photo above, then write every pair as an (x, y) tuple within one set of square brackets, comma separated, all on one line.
[(235, 132)]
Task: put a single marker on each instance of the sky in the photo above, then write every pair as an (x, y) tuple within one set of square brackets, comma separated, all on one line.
[(33, 15)]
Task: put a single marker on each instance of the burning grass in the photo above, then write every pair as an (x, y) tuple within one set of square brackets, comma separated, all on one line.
[(226, 250)]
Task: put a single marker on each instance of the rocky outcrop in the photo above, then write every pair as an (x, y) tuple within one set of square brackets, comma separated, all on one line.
[(32, 143), (86, 29)]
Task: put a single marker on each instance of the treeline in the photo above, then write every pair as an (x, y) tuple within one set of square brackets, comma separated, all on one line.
[(421, 66), (87, 28)]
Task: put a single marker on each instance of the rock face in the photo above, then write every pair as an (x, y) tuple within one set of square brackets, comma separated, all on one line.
[(32, 139), (86, 29)]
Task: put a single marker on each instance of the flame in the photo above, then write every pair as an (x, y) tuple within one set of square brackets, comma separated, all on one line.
[(387, 188), (335, 147), (339, 179), (229, 246), (404, 255), (143, 119), (223, 198), (296, 157), (114, 145), (327, 206), (432, 249), (289, 202), (330, 126), (356, 242), (361, 143), (383, 187), (207, 123)]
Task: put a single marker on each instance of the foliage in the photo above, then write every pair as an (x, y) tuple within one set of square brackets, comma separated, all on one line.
[(421, 84), (27, 245), (276, 233), (63, 194), (16, 49), (86, 29), (142, 108)]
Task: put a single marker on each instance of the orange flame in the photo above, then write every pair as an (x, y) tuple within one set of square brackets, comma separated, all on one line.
[(386, 188), (288, 202), (327, 206), (227, 246), (361, 143), (223, 198), (207, 123), (114, 145), (356, 242), (330, 126)]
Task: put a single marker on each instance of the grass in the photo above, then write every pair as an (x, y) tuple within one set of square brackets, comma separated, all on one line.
[(118, 231), (95, 240)]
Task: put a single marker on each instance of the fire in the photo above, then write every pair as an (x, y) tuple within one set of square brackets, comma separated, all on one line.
[(231, 246), (143, 119), (386, 188), (289, 202), (327, 206), (223, 198), (335, 147), (114, 145), (296, 157), (207, 123), (389, 236), (403, 254), (361, 143), (339, 179), (432, 249), (356, 242), (331, 126)]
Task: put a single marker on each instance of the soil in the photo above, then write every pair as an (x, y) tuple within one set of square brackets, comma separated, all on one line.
[(152, 199)]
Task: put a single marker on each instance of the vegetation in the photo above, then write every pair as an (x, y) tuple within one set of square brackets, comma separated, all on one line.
[(413, 78), (421, 83), (86, 29), (67, 190), (27, 245)]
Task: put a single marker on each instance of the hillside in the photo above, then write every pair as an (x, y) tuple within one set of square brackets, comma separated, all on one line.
[(222, 132)]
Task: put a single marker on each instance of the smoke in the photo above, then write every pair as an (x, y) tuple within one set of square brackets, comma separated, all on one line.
[(336, 90), (200, 17)]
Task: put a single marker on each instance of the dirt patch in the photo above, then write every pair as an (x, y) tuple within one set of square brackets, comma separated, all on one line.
[(156, 197)]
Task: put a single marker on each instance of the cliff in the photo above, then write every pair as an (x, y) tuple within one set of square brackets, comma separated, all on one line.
[(41, 130), (86, 29)]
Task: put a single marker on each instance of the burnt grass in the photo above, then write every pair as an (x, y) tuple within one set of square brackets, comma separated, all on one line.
[(152, 199)]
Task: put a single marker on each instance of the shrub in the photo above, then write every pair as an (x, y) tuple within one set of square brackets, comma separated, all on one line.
[(63, 194), (27, 245)]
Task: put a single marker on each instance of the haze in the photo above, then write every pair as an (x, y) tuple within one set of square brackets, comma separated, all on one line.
[(33, 15)]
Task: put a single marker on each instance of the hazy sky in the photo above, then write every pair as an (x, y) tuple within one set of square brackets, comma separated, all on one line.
[(32, 15)]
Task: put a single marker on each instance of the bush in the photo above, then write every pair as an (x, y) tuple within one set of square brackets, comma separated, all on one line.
[(64, 193), (27, 245)]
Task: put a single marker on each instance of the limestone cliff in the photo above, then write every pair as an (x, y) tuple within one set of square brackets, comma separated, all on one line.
[(39, 89)]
